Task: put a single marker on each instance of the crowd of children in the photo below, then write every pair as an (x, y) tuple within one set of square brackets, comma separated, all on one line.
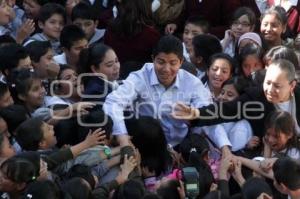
[(134, 99)]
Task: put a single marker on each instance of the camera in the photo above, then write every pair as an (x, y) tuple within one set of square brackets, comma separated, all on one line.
[(191, 182)]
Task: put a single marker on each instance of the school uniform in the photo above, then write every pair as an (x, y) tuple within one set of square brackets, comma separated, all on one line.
[(97, 37)]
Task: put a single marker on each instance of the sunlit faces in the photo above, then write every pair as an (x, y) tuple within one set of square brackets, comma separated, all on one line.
[(110, 66), (53, 26), (251, 64), (277, 140), (4, 13), (277, 87), (241, 25), (72, 54), (35, 96), (166, 67), (49, 139), (31, 8), (271, 28), (228, 93), (87, 25), (190, 31), (218, 73)]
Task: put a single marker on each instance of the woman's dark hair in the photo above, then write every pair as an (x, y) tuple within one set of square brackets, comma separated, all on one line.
[(45, 189), (205, 46), (19, 170), (239, 83), (230, 60), (169, 189), (20, 82), (244, 11), (133, 16), (37, 49), (255, 186), (169, 44), (249, 49), (154, 151), (131, 189), (29, 134), (14, 115), (283, 122), (77, 189), (93, 55), (82, 171), (282, 52)]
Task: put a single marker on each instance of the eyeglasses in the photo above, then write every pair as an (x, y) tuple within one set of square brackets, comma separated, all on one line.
[(243, 24)]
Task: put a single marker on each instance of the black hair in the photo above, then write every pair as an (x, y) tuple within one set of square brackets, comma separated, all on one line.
[(239, 83), (283, 122), (43, 2), (93, 55), (169, 44), (29, 134), (14, 115), (82, 171), (71, 34), (37, 49), (19, 170), (3, 89), (133, 16), (228, 58), (83, 10), (198, 21), (6, 39), (49, 9), (20, 82), (283, 52), (287, 171), (10, 55), (169, 189), (216, 194), (244, 11), (249, 49), (45, 189), (95, 116), (255, 186), (155, 158), (131, 189), (77, 189), (205, 46)]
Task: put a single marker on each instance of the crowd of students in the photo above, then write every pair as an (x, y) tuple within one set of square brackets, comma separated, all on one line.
[(115, 98)]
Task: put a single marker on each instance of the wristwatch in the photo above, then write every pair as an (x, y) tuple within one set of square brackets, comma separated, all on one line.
[(107, 152)]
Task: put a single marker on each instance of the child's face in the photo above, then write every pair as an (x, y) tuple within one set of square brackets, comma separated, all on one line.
[(74, 51), (6, 100), (277, 141), (25, 63), (87, 25), (4, 13), (53, 26), (71, 76), (251, 64), (45, 60), (190, 31), (31, 8), (271, 28), (7, 150), (110, 66), (228, 93), (35, 95), (218, 73), (166, 67), (49, 139), (241, 26)]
